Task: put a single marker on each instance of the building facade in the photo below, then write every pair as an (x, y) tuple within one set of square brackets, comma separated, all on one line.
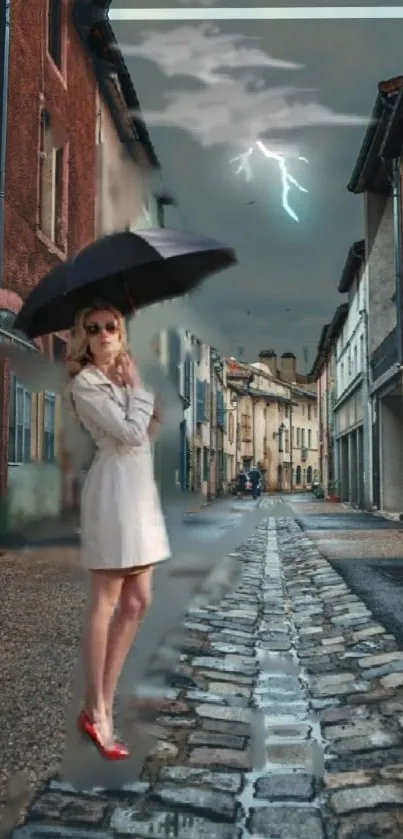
[(295, 425), (351, 408), (48, 214), (324, 373), (202, 413), (377, 176), (71, 143)]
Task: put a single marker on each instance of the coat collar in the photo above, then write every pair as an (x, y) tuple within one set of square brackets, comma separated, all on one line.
[(91, 376)]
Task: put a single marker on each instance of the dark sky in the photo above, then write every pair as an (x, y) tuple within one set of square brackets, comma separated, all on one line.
[(307, 87)]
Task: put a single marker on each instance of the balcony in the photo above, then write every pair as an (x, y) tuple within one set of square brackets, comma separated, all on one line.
[(384, 356)]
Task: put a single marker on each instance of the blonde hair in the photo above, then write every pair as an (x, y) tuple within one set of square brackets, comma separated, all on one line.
[(79, 354)]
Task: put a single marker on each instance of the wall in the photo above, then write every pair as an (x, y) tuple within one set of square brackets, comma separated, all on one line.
[(202, 430), (391, 426), (34, 492), (305, 418), (379, 235), (123, 192), (230, 437), (350, 345), (71, 102), (69, 97)]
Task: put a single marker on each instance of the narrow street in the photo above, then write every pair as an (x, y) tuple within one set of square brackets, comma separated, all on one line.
[(285, 721)]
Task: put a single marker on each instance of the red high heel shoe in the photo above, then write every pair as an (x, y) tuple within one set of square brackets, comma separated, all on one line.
[(115, 752)]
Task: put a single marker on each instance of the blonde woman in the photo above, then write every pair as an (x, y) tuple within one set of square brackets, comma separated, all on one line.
[(122, 527)]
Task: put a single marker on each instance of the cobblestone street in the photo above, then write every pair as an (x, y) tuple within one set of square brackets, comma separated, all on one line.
[(288, 724)]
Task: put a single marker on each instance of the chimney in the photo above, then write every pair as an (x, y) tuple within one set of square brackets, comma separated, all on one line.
[(269, 358), (288, 367)]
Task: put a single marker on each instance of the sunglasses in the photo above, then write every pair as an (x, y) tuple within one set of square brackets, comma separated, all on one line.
[(96, 328)]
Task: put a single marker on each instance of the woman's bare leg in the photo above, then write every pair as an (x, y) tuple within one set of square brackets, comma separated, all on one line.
[(135, 599), (104, 596)]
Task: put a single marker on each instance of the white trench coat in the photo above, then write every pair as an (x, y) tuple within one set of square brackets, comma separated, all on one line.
[(122, 524)]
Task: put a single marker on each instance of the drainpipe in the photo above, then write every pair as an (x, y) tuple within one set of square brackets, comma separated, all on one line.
[(329, 442), (4, 54), (367, 416), (397, 218), (320, 423), (253, 431), (291, 447)]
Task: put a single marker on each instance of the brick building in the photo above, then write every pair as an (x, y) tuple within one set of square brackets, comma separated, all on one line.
[(48, 214), (54, 87)]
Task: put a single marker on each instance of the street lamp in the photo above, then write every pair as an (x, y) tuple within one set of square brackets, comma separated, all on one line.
[(279, 434)]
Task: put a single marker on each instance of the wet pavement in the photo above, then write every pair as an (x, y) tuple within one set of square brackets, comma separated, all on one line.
[(288, 721), (346, 521), (43, 599)]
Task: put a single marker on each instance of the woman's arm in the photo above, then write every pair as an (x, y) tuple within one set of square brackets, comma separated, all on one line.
[(155, 421), (95, 405), (154, 429)]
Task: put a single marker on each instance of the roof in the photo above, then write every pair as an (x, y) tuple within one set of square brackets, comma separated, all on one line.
[(307, 394), (265, 394), (95, 31), (320, 353), (352, 265), (392, 144), (368, 172), (329, 334)]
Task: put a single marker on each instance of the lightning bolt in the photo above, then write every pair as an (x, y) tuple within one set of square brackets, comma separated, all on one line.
[(288, 181)]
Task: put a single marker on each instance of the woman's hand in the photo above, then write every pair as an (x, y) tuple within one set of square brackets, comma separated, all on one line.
[(129, 373), (158, 410)]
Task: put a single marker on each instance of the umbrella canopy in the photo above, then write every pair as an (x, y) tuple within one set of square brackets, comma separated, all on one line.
[(127, 270)]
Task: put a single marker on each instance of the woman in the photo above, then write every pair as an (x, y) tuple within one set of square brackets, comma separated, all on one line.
[(122, 527)]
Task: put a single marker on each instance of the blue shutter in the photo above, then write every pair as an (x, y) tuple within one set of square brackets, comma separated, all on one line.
[(220, 408), (174, 357), (201, 402), (187, 369), (182, 455)]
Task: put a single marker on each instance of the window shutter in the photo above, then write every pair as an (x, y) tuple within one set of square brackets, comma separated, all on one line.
[(220, 408)]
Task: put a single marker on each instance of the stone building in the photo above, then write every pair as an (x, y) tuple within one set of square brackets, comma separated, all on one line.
[(296, 424), (351, 409), (324, 373), (276, 421), (377, 176)]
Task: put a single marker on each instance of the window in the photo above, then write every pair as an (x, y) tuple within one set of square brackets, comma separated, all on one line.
[(286, 440), (298, 436), (19, 434), (231, 427), (303, 410), (309, 411), (205, 464), (302, 437), (51, 185), (355, 360), (49, 404), (361, 353), (309, 438), (55, 31)]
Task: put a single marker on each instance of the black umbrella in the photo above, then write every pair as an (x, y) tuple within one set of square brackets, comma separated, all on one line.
[(127, 270)]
